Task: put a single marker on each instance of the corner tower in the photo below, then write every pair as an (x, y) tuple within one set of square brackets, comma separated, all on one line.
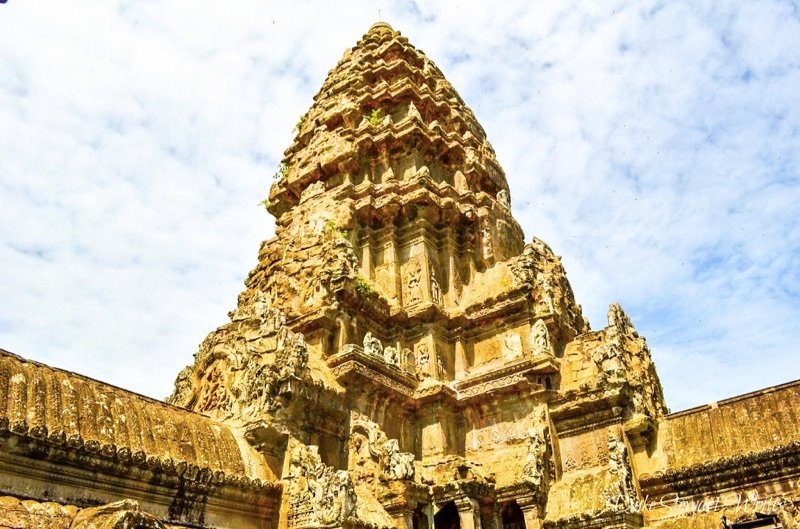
[(399, 346)]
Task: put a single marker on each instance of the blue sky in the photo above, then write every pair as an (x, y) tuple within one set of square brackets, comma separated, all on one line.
[(653, 145)]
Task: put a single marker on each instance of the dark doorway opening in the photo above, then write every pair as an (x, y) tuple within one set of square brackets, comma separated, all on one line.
[(447, 517), (512, 516)]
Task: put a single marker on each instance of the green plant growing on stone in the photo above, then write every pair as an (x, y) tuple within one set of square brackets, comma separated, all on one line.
[(331, 226), (264, 203), (281, 172), (375, 117), (299, 123), (363, 287)]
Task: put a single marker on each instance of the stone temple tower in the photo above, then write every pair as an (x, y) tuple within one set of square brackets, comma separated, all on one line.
[(400, 358), (398, 329)]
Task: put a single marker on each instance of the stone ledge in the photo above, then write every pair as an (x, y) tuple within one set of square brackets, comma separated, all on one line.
[(726, 473)]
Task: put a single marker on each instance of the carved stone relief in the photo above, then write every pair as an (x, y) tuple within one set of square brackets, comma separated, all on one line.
[(539, 341), (423, 361), (377, 456), (460, 182), (486, 239), (372, 346), (320, 495), (441, 370), (547, 292), (391, 356), (584, 450), (409, 361), (504, 199), (538, 471), (621, 494), (503, 433), (436, 291), (512, 347), (413, 285), (123, 514)]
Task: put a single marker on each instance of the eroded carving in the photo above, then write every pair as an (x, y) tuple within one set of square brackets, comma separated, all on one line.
[(620, 495), (391, 356), (512, 347), (372, 346), (320, 495), (539, 341)]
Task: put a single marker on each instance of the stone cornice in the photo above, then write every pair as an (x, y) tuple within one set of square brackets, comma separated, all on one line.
[(726, 473), (577, 412), (353, 360), (512, 377), (37, 444), (597, 520), (60, 415)]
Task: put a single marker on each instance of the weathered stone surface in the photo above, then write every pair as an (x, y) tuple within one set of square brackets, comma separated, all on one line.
[(399, 357), (124, 514), (70, 439)]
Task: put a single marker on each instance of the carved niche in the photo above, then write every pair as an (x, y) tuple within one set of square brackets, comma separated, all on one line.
[(423, 361), (512, 347), (409, 361), (412, 281), (539, 340)]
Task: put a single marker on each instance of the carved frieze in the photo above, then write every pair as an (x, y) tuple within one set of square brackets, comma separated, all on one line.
[(584, 450)]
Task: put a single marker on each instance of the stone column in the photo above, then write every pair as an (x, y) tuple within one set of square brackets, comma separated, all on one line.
[(428, 510), (530, 511), (450, 261), (396, 268), (434, 440), (469, 513), (460, 360), (491, 515), (403, 519), (366, 252)]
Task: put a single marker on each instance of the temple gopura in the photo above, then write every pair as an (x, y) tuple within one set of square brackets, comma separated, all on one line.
[(399, 358)]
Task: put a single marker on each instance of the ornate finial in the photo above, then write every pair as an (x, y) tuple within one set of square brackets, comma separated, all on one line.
[(381, 27)]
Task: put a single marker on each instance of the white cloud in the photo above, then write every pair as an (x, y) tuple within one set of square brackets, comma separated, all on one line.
[(652, 145)]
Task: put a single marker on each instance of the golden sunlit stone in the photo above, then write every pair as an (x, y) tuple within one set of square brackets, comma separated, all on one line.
[(400, 357)]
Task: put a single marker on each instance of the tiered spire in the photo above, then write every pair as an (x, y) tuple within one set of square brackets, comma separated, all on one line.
[(386, 113), (398, 325)]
